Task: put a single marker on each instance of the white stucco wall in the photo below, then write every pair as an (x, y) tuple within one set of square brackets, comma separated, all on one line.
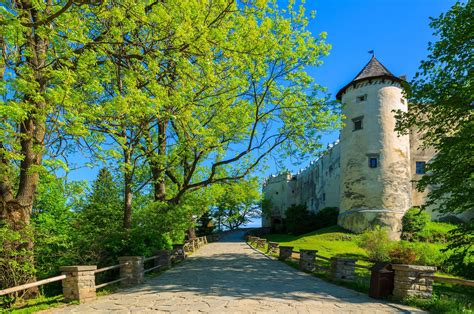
[(374, 195)]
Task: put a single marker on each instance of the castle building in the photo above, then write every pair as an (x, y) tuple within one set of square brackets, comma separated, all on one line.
[(370, 173)]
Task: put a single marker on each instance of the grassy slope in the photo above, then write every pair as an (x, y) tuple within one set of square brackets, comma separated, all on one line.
[(335, 241), (329, 242)]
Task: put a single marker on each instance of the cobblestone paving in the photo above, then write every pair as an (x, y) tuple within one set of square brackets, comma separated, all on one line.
[(231, 277)]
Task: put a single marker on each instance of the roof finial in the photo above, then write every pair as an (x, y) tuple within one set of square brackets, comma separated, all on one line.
[(372, 52)]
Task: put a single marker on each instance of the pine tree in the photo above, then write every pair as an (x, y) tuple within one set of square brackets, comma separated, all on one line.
[(99, 222)]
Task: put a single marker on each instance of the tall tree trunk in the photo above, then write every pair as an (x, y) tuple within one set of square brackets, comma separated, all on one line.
[(15, 210), (191, 232), (128, 195), (158, 166)]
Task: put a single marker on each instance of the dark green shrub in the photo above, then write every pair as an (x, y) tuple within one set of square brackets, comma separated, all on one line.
[(299, 220), (326, 217), (414, 221)]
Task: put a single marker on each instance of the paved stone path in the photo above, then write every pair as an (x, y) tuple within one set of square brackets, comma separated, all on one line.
[(231, 277)]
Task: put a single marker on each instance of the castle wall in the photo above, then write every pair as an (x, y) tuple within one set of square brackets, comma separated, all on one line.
[(419, 154), (317, 186)]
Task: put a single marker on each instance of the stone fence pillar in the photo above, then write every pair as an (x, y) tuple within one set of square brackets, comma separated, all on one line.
[(132, 270), (163, 259), (308, 260), (261, 243), (252, 239), (272, 248), (343, 268), (204, 239), (408, 282), (178, 252), (79, 284), (285, 252)]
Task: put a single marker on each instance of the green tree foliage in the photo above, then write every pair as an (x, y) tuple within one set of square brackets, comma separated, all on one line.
[(53, 225), (460, 248), (237, 203), (205, 224), (98, 222), (177, 95), (37, 98), (441, 98)]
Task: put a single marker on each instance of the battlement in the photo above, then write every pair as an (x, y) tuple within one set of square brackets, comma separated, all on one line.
[(288, 176)]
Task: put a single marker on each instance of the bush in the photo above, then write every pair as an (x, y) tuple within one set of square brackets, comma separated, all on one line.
[(428, 254), (377, 244), (403, 255), (299, 220), (326, 217), (415, 220)]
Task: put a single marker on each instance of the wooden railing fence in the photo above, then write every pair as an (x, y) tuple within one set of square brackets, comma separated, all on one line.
[(79, 281)]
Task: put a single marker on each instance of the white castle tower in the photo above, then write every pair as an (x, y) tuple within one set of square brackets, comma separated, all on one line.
[(375, 160)]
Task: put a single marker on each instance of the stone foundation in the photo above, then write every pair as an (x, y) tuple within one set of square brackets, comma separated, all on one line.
[(79, 284), (359, 220), (408, 282)]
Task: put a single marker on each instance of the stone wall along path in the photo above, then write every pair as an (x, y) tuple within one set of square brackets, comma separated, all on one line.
[(231, 277)]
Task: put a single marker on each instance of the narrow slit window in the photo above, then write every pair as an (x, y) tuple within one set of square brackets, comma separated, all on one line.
[(357, 123), (373, 162), (362, 98)]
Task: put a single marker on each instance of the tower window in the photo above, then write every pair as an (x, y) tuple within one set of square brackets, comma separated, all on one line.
[(324, 197), (276, 193), (357, 123), (420, 167), (373, 162), (362, 98)]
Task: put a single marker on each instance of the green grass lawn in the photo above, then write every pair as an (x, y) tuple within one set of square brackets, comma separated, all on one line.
[(329, 242), (335, 241)]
